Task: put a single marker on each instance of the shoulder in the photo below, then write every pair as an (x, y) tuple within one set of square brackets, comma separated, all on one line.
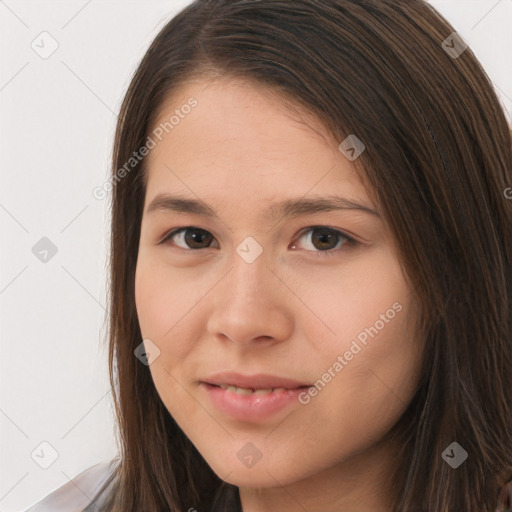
[(87, 487)]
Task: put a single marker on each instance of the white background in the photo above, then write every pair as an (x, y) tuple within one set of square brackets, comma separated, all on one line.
[(57, 122)]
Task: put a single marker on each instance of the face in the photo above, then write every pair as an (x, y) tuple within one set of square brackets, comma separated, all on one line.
[(313, 295)]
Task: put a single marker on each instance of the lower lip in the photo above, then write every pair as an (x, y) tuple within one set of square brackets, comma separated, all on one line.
[(251, 407)]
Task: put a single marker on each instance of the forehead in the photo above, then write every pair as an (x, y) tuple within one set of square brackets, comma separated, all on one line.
[(239, 93), (242, 141), (230, 110)]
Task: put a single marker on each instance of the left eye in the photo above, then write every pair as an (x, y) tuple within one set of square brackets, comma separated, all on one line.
[(322, 238)]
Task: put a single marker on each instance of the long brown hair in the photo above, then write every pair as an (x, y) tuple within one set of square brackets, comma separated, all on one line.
[(438, 160)]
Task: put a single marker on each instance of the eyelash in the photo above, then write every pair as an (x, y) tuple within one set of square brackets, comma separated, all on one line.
[(348, 243)]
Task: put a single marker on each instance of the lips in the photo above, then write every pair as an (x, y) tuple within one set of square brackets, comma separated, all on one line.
[(248, 384), (253, 382), (251, 398)]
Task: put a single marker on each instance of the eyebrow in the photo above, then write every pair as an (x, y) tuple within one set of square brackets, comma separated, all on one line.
[(288, 208)]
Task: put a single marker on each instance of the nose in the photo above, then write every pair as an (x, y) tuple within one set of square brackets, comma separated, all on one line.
[(252, 305)]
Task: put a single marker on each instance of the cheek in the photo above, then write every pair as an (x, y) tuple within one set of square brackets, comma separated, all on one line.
[(164, 309), (159, 308), (366, 300), (156, 298), (367, 358)]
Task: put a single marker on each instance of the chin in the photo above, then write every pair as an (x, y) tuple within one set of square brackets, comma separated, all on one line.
[(261, 475)]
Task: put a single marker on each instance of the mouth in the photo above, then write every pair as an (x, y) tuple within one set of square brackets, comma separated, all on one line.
[(254, 398), (245, 384), (251, 405), (253, 391)]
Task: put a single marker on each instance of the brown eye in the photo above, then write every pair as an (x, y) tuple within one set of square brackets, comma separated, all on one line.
[(326, 241), (190, 238)]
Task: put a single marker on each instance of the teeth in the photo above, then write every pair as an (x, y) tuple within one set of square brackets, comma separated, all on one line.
[(249, 391), (262, 391), (240, 391)]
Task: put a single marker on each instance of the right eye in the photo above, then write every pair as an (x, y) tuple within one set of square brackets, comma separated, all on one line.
[(189, 238)]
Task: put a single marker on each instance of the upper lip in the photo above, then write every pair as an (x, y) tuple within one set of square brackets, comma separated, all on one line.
[(259, 381)]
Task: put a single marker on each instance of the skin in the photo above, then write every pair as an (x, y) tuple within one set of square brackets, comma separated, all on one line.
[(289, 313)]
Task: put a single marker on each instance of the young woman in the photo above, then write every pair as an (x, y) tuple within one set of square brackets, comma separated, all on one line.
[(311, 266)]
